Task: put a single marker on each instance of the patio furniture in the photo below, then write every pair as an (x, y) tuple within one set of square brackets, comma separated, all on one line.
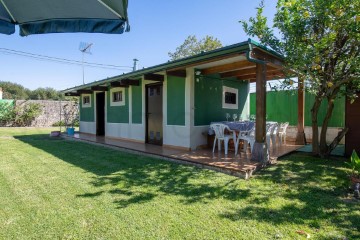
[(221, 135), (275, 135), (270, 129), (248, 137), (237, 126), (282, 132)]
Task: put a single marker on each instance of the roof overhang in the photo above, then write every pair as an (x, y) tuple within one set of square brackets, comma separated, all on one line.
[(236, 61)]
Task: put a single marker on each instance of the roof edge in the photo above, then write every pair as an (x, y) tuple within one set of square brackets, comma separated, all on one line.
[(241, 47)]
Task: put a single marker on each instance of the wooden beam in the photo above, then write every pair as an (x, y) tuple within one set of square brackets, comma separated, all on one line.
[(99, 88), (228, 67), (132, 82), (84, 91), (245, 72), (249, 71), (72, 94), (260, 150), (154, 77), (268, 58), (269, 76), (177, 73), (118, 84), (260, 135)]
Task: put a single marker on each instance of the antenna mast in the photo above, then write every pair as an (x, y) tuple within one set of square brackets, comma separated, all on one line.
[(84, 48)]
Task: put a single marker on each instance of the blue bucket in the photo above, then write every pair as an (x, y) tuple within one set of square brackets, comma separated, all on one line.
[(70, 131)]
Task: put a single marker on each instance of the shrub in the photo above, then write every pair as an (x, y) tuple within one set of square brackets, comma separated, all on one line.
[(20, 116)]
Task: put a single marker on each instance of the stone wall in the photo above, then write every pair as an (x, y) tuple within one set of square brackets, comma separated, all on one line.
[(331, 133), (50, 111)]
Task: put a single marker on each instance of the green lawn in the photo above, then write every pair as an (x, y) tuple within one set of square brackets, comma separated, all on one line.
[(59, 189)]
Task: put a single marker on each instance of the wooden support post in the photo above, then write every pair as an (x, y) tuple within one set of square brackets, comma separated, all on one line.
[(300, 136), (260, 150)]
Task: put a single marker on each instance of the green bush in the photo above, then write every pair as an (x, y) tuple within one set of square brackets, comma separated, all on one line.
[(58, 124), (20, 116)]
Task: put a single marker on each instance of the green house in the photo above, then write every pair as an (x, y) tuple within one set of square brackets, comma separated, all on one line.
[(173, 104)]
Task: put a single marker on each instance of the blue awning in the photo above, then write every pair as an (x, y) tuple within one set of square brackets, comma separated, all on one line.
[(62, 16)]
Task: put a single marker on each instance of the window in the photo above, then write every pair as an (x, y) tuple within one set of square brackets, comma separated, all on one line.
[(86, 100), (230, 98), (117, 96)]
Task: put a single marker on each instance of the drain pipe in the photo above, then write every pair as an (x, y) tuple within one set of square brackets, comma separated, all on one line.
[(248, 54)]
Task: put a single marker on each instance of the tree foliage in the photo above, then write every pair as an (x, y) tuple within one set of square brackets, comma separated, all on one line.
[(19, 115), (46, 94), (18, 92), (14, 91), (193, 46), (320, 40)]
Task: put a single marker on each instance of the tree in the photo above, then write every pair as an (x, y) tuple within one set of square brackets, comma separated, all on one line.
[(320, 40), (18, 92), (46, 94), (14, 91), (192, 46)]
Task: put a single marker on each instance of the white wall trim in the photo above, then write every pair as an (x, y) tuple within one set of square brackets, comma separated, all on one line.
[(230, 90), (88, 127), (88, 105)]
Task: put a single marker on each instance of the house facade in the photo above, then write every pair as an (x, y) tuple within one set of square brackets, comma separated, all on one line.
[(173, 104)]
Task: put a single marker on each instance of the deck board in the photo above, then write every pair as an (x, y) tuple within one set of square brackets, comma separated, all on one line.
[(239, 165)]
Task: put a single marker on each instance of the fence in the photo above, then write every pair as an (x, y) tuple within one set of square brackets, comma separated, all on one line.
[(281, 106)]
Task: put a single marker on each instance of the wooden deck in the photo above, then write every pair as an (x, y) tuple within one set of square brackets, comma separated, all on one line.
[(239, 165)]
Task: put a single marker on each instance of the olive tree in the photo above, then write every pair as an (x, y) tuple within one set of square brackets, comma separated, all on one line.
[(320, 41), (192, 46)]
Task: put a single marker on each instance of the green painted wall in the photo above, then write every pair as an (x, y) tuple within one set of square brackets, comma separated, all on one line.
[(175, 101), (87, 114), (118, 114), (282, 107), (208, 99), (136, 100)]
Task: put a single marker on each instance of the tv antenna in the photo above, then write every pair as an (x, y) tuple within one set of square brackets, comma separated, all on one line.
[(84, 48)]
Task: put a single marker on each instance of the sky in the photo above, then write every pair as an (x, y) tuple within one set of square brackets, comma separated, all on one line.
[(157, 27)]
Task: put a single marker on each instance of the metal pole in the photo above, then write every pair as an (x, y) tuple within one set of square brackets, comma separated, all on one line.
[(83, 72), (60, 116)]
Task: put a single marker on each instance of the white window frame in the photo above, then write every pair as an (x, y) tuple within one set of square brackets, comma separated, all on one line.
[(86, 105), (119, 103), (229, 105)]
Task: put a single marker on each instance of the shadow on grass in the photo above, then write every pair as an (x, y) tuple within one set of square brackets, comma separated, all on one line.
[(298, 190), (137, 179), (315, 191)]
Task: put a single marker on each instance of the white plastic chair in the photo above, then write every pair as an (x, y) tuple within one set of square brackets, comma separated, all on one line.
[(220, 135), (282, 132), (275, 135), (270, 128), (248, 138)]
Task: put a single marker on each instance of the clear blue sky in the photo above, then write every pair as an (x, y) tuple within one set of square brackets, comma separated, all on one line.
[(157, 27)]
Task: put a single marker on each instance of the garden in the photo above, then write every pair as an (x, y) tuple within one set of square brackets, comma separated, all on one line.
[(56, 188)]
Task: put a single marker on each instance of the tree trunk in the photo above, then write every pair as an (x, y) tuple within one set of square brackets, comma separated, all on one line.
[(336, 141), (315, 129), (324, 127)]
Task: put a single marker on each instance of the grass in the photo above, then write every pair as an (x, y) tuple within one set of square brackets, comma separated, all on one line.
[(58, 189)]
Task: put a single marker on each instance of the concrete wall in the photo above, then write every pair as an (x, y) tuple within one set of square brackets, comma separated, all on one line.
[(50, 111)]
